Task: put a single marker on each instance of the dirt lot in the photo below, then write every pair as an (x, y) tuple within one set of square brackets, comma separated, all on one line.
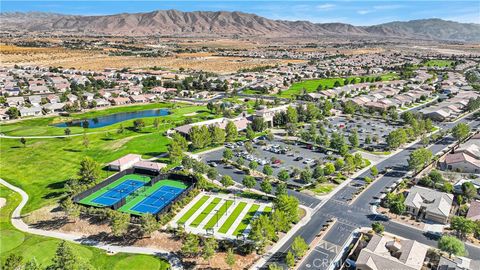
[(98, 60), (50, 218)]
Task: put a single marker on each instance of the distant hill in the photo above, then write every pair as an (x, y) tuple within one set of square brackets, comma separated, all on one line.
[(222, 23)]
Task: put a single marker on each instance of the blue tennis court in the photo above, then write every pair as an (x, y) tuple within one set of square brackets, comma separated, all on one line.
[(158, 200), (119, 192)]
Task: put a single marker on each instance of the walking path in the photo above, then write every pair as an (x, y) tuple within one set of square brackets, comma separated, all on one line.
[(18, 223)]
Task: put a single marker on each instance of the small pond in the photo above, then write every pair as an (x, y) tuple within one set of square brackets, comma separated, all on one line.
[(111, 119)]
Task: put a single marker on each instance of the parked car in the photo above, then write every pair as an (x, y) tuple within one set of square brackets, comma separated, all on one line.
[(298, 158)]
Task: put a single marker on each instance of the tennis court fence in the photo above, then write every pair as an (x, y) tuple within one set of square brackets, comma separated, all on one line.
[(97, 187)]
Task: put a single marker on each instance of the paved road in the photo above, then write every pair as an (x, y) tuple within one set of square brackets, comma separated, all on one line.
[(18, 223), (359, 214)]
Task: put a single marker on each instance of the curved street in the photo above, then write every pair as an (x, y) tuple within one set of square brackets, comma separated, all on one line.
[(18, 223)]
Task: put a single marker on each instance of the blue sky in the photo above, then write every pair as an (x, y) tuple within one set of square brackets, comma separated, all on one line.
[(347, 11)]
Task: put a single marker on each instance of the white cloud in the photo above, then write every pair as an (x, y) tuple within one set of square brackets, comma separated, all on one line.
[(325, 6), (363, 12)]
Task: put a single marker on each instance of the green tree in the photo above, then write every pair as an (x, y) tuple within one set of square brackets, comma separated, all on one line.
[(374, 171), (266, 186), (120, 129), (281, 221), (378, 227), (217, 135), (249, 181), (191, 245), (353, 139), (329, 168), (461, 131), (253, 165), (70, 208), (258, 124), (283, 175), (262, 232), (289, 205), (85, 141), (32, 265), (419, 159), (138, 124), (290, 259), (210, 244), (156, 123), (306, 175), (13, 113), (451, 245), (67, 131), (469, 191), (291, 115), (175, 152), (274, 266), (250, 133), (227, 181), (231, 132), (462, 226), (13, 262), (230, 258), (89, 171), (267, 169), (227, 154), (281, 189), (299, 247), (148, 224), (23, 141), (64, 258), (119, 223)]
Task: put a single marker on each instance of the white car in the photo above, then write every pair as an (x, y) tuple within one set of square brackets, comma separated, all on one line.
[(308, 161)]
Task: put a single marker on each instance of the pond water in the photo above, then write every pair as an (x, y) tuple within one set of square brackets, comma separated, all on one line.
[(111, 119)]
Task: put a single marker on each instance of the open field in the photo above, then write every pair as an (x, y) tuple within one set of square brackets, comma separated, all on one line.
[(438, 63), (43, 248), (312, 85), (44, 165), (99, 60)]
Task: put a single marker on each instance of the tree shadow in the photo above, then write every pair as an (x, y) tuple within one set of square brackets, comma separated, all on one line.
[(53, 195), (72, 150), (57, 185), (51, 224)]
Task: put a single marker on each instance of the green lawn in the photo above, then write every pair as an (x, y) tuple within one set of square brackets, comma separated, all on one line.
[(192, 210), (233, 216), (223, 209), (246, 219), (312, 85), (439, 63), (44, 165), (322, 189), (205, 212), (43, 248)]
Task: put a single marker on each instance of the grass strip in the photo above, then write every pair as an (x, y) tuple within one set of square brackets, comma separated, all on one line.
[(192, 210), (205, 212), (246, 220), (228, 223), (223, 209)]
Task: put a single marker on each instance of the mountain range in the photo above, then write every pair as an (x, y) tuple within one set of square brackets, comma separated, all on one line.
[(222, 23)]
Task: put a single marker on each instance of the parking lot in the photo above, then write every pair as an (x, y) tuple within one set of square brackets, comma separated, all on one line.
[(263, 154), (278, 154), (374, 128)]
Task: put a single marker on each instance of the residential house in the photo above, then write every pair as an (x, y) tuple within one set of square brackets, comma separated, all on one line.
[(15, 101), (474, 211), (30, 111), (385, 252), (429, 204)]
